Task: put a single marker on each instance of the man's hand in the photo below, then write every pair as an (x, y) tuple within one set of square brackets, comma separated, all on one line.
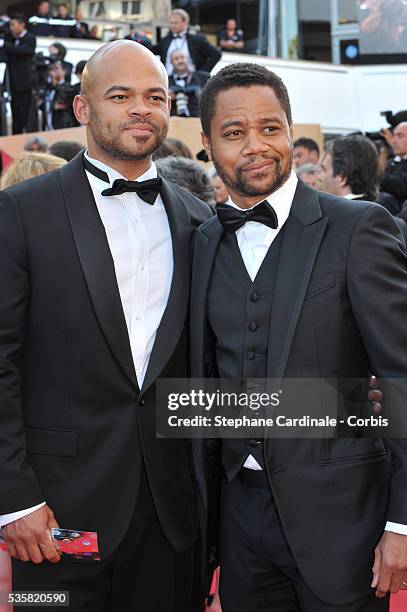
[(390, 564), (28, 538)]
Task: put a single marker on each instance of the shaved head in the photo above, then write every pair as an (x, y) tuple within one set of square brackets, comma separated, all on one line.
[(124, 104), (110, 54)]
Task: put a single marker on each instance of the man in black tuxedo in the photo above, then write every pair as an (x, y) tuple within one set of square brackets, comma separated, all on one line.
[(18, 49), (201, 55), (289, 283), (95, 276), (394, 180)]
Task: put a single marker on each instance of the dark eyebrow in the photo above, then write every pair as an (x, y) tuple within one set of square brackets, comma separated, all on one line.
[(232, 122), (118, 88), (270, 119), (125, 88)]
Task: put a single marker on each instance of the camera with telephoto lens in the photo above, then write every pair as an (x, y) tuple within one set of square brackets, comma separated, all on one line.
[(182, 97)]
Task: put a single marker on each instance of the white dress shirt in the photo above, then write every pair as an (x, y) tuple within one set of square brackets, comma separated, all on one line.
[(178, 44), (139, 238), (254, 240)]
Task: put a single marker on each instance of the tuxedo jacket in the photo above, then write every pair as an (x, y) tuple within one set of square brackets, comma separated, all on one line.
[(74, 425), (19, 61), (203, 54), (394, 180), (338, 312)]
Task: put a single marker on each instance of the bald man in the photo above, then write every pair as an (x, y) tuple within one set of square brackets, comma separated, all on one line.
[(94, 269), (395, 177)]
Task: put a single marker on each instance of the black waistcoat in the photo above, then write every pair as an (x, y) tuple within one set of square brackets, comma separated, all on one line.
[(239, 312)]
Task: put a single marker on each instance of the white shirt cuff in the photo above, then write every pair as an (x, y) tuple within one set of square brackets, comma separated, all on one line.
[(5, 519), (396, 528), (1, 42)]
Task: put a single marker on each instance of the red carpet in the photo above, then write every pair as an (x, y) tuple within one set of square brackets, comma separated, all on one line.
[(399, 602)]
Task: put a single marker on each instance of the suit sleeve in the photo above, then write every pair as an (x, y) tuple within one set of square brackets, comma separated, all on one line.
[(27, 47), (19, 488), (377, 287), (209, 55)]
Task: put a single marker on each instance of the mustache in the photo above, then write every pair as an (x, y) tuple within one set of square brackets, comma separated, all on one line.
[(259, 160), (130, 124)]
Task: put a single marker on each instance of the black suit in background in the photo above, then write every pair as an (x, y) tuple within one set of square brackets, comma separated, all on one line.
[(337, 311), (203, 54), (76, 429), (394, 180), (18, 53)]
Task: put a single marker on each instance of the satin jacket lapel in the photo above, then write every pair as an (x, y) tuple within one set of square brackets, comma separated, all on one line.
[(174, 317), (304, 230), (97, 262), (206, 242)]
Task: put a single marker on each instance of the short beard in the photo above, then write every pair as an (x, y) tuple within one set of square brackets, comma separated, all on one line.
[(113, 148), (239, 184)]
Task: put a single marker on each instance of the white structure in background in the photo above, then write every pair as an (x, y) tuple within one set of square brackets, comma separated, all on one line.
[(109, 15)]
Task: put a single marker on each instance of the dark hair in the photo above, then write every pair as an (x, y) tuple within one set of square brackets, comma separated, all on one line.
[(18, 17), (188, 174), (307, 143), (172, 146), (355, 159), (80, 66), (62, 50), (67, 149), (42, 2), (240, 75)]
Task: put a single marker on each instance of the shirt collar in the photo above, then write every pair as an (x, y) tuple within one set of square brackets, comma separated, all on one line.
[(281, 199), (180, 34), (113, 174), (353, 196)]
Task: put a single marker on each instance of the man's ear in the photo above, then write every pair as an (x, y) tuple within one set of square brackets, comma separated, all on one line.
[(206, 145), (81, 109)]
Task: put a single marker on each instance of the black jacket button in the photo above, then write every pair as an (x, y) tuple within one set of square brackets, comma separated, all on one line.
[(254, 296), (141, 401)]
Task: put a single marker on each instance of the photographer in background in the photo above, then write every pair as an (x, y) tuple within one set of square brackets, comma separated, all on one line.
[(59, 99), (57, 53), (394, 180), (17, 49), (185, 86)]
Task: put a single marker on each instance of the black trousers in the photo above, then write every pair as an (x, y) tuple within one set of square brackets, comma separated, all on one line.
[(258, 572), (143, 574), (20, 108)]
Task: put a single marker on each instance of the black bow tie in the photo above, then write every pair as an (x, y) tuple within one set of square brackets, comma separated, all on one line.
[(146, 190), (232, 218)]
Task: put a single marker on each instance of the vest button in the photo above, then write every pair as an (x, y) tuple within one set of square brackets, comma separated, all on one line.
[(141, 401), (251, 355), (253, 326), (253, 443), (254, 296)]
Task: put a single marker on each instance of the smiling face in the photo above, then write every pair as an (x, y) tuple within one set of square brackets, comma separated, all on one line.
[(250, 143), (125, 105)]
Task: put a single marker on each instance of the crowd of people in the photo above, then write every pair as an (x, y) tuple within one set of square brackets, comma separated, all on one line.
[(38, 82)]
